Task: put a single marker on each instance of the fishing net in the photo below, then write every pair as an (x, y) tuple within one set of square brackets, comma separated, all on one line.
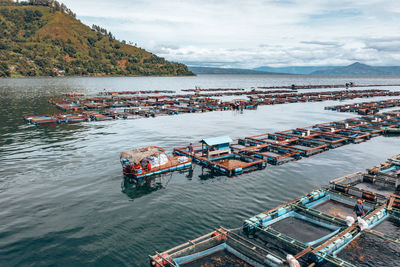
[(370, 250)]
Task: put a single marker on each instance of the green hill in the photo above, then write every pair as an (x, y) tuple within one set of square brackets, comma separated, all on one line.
[(43, 38)]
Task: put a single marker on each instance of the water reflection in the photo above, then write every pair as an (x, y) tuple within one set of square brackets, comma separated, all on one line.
[(207, 174), (136, 188)]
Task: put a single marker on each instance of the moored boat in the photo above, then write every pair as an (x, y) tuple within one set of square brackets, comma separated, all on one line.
[(151, 160)]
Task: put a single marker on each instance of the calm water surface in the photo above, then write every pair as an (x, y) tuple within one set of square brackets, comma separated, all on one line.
[(63, 200)]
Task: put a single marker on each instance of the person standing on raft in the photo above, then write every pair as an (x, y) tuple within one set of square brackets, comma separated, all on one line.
[(359, 208), (190, 149), (148, 166)]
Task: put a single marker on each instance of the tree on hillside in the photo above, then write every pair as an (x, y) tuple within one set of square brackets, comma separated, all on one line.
[(53, 4)]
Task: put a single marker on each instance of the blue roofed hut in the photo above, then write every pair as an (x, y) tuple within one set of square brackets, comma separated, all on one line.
[(215, 146)]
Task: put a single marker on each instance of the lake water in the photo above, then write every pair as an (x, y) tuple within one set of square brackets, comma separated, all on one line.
[(63, 200)]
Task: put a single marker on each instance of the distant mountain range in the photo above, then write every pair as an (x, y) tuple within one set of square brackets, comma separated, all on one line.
[(355, 69), (358, 69), (211, 70), (294, 69)]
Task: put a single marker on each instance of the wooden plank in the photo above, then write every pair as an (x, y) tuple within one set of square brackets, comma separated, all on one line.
[(302, 253)]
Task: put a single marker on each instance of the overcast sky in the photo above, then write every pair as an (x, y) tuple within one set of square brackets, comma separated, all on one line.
[(254, 33)]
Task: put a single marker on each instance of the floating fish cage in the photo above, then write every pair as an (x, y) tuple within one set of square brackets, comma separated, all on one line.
[(369, 187), (299, 133), (307, 147), (216, 154), (338, 205), (332, 140), (241, 144), (219, 248), (72, 118), (268, 138), (69, 106), (395, 159), (387, 169), (99, 116), (369, 249), (314, 227), (353, 122), (366, 108), (391, 130), (369, 128), (232, 164), (42, 120), (326, 254), (354, 136), (389, 226), (273, 154), (297, 223), (324, 128), (377, 245)]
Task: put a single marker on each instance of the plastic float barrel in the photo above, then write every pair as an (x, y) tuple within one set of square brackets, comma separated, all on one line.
[(396, 205), (238, 170), (317, 194), (281, 211), (248, 226), (304, 200), (160, 261), (342, 189), (274, 259), (369, 196), (221, 235), (263, 218), (316, 257)]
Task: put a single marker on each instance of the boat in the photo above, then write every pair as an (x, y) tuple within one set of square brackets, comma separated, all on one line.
[(135, 162)]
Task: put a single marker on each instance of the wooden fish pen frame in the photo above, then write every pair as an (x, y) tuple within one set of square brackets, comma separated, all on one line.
[(250, 163), (347, 184), (332, 140), (212, 242), (41, 120), (307, 147), (266, 152), (268, 138)]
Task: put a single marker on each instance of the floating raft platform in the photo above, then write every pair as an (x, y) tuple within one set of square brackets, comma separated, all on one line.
[(307, 147), (42, 120), (393, 130), (332, 140), (273, 154), (285, 146), (366, 186), (366, 108), (152, 105), (389, 169), (223, 160), (268, 138)]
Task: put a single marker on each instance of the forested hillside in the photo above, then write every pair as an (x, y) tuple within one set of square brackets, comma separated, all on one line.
[(43, 38)]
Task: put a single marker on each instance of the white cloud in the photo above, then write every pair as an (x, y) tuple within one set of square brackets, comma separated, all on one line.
[(250, 33)]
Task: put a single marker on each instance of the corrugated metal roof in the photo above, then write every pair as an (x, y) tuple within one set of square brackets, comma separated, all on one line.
[(217, 140)]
